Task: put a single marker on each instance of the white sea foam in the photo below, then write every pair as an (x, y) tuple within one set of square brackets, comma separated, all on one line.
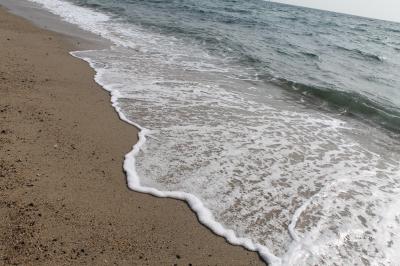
[(266, 173)]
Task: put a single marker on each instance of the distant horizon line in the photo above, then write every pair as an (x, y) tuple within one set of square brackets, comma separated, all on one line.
[(336, 11)]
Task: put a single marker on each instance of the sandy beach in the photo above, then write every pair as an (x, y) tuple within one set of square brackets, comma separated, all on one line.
[(63, 193)]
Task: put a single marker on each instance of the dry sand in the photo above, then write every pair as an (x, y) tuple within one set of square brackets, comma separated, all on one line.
[(63, 194)]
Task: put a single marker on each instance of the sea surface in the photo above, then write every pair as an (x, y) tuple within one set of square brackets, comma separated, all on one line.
[(279, 125)]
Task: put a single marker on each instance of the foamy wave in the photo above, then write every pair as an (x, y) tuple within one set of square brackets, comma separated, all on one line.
[(204, 215), (95, 23), (264, 172)]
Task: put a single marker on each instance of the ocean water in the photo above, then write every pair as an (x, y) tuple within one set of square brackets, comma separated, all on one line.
[(279, 125)]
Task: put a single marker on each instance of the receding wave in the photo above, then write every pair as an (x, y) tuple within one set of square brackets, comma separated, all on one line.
[(349, 103), (364, 54)]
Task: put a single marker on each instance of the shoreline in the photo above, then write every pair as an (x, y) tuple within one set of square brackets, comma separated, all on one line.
[(74, 206)]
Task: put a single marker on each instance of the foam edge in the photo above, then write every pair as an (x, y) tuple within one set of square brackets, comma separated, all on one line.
[(203, 214)]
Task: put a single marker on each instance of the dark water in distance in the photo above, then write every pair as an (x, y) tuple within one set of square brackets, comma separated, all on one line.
[(346, 62)]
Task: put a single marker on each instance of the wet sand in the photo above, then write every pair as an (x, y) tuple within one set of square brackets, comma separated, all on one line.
[(63, 193)]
